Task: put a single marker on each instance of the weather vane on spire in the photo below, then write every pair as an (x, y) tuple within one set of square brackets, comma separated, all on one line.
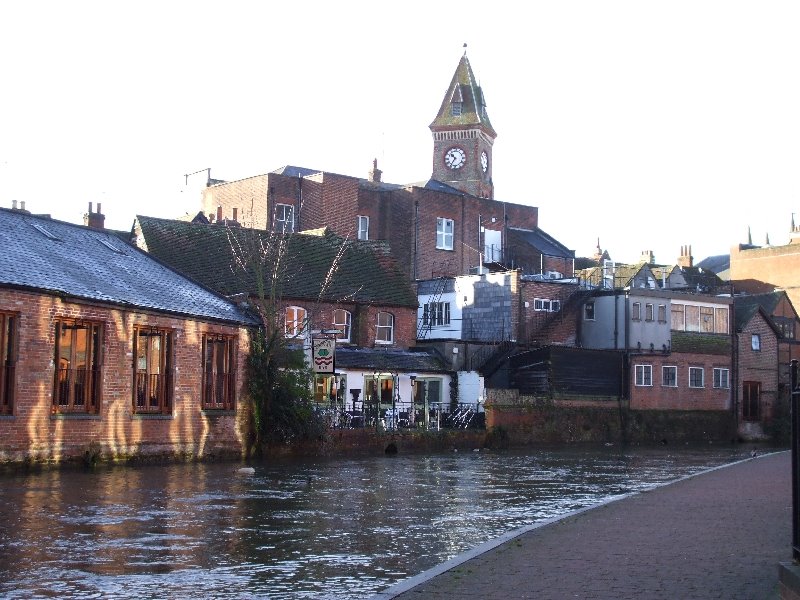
[(465, 48)]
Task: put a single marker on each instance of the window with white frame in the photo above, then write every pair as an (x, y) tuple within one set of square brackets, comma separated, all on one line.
[(678, 317), (755, 342), (648, 312), (696, 377), (721, 378), (363, 228), (444, 233), (342, 320), (644, 375), (662, 313), (721, 320), (436, 313), (636, 311), (546, 305), (385, 330), (284, 218), (295, 321), (669, 376), (703, 319)]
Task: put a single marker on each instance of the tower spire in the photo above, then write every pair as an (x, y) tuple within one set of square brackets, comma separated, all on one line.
[(463, 135)]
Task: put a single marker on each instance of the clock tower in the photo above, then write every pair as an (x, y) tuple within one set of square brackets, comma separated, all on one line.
[(463, 136)]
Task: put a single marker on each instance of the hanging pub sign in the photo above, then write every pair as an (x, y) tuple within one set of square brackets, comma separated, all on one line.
[(324, 352)]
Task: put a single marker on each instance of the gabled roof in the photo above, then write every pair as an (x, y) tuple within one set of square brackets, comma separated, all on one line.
[(701, 279), (543, 242), (436, 186), (464, 88), (212, 254), (746, 307), (292, 171), (53, 257), (373, 359), (718, 264)]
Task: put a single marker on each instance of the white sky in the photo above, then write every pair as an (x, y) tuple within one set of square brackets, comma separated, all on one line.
[(650, 125)]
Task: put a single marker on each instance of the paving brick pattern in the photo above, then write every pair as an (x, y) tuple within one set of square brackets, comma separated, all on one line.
[(720, 534)]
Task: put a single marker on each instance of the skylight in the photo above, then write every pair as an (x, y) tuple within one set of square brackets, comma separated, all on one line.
[(45, 232), (110, 246)]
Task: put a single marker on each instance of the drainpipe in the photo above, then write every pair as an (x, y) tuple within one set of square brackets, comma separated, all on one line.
[(415, 256), (299, 203), (735, 370)]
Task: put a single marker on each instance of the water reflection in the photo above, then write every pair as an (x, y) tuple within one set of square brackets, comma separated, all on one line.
[(312, 529)]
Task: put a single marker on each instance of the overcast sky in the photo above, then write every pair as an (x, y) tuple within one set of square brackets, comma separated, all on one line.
[(650, 125)]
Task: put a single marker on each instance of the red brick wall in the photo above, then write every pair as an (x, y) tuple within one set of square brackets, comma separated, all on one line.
[(777, 266), (548, 327), (760, 366), (247, 196), (364, 321), (34, 433), (400, 216), (682, 397)]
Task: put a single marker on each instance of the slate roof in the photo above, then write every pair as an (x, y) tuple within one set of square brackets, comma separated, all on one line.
[(293, 171), (54, 257), (366, 272), (465, 89), (717, 264), (746, 307), (543, 242), (701, 279), (373, 359)]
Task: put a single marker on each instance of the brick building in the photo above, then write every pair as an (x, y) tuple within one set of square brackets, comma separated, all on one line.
[(447, 225), (757, 359), (108, 353), (755, 269), (319, 286)]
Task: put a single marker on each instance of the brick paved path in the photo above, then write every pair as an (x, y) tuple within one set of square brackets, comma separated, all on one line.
[(717, 535)]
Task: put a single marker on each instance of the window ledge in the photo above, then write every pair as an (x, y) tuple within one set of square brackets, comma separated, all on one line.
[(77, 416), (211, 412), (7, 417), (148, 416)]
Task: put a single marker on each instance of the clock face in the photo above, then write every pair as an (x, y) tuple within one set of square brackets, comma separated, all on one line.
[(484, 161), (455, 158)]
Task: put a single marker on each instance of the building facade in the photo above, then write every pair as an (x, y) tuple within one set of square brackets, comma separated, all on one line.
[(109, 354)]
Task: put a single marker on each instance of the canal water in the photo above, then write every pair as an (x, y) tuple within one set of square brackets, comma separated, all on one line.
[(337, 528)]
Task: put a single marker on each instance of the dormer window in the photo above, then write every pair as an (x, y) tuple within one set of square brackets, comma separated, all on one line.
[(455, 109)]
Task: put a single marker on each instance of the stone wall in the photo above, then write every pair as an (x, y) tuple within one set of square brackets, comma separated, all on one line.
[(598, 419)]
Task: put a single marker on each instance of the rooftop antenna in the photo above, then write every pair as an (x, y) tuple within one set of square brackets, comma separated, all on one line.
[(208, 176)]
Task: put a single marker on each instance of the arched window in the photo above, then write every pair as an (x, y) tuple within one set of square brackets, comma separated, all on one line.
[(385, 332), (342, 320), (295, 321)]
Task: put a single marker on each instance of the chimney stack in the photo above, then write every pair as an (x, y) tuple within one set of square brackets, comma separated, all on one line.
[(235, 211), (219, 213), (95, 220), (686, 259), (375, 173)]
